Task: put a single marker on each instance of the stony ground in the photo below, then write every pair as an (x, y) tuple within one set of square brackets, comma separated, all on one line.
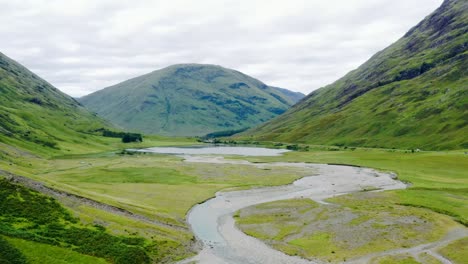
[(351, 228)]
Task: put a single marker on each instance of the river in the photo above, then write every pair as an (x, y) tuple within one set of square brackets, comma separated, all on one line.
[(212, 221)]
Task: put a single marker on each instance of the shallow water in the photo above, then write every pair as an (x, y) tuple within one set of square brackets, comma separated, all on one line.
[(215, 150), (213, 225)]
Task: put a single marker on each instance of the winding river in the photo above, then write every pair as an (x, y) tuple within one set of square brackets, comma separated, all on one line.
[(212, 221)]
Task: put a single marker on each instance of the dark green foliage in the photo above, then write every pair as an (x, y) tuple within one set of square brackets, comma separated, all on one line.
[(132, 137), (114, 134), (297, 147), (99, 243), (190, 100), (43, 219), (413, 94), (36, 101), (225, 133), (9, 254), (125, 136), (292, 147), (18, 202)]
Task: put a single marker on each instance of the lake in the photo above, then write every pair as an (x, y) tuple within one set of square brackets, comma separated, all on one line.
[(215, 150)]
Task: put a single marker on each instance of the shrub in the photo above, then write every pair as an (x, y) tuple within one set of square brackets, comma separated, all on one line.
[(46, 221)]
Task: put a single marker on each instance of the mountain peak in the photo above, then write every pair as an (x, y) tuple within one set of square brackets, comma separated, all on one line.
[(190, 99)]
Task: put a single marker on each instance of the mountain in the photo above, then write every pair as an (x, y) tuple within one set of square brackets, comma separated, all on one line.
[(190, 99), (293, 96), (413, 94), (35, 115)]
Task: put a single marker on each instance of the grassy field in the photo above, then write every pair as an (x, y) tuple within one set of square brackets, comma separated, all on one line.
[(166, 244), (144, 184)]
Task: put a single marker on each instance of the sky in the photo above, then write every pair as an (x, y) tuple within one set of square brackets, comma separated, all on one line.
[(86, 45)]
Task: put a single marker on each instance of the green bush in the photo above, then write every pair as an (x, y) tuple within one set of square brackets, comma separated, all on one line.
[(43, 219)]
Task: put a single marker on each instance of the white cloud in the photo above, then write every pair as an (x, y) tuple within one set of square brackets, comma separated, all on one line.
[(81, 46)]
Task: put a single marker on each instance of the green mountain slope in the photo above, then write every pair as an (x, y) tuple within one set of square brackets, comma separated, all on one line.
[(36, 116), (190, 99), (413, 94)]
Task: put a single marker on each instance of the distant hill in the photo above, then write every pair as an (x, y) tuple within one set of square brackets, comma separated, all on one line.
[(35, 115), (293, 96), (189, 100), (413, 94)]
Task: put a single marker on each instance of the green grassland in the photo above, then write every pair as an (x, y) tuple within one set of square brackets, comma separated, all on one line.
[(438, 179), (146, 183), (161, 188)]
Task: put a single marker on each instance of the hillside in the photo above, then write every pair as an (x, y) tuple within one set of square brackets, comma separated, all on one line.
[(190, 99), (36, 116), (413, 94)]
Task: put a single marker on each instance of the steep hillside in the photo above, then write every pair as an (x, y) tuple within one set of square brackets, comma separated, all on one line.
[(190, 99), (36, 116), (413, 94)]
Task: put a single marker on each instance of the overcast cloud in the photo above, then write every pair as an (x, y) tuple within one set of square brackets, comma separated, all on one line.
[(86, 45)]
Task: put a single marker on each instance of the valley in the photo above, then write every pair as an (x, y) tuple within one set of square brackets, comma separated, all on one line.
[(200, 163), (143, 185)]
